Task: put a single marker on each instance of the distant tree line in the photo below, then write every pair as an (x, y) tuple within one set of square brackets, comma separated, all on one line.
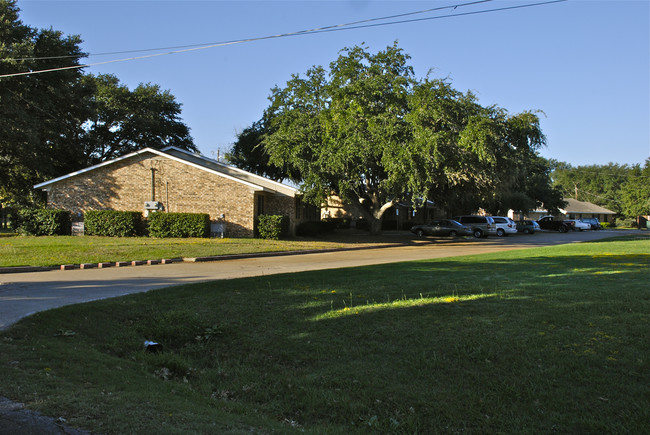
[(59, 122), (370, 132), (624, 189)]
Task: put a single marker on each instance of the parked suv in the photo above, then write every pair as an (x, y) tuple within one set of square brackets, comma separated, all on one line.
[(594, 222), (505, 226), (481, 226), (579, 224)]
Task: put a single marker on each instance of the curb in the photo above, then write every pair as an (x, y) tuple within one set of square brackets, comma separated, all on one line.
[(21, 269), (85, 266)]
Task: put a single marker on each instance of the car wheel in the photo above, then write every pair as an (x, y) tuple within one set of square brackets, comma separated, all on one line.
[(562, 229), (453, 233), (500, 232), (526, 231), (478, 233), (419, 233)]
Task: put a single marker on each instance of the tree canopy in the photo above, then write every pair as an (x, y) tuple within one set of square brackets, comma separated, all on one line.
[(39, 114), (635, 192), (624, 189), (367, 130), (121, 121), (248, 153), (58, 122)]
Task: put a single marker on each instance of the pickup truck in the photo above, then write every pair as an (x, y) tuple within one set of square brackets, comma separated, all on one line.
[(550, 223)]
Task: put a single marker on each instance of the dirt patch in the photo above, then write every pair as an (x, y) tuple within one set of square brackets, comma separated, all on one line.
[(15, 419)]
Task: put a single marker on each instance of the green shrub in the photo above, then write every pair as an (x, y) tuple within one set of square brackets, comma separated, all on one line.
[(606, 225), (272, 226), (338, 223), (113, 223), (625, 223), (316, 228), (362, 224), (41, 222), (164, 225)]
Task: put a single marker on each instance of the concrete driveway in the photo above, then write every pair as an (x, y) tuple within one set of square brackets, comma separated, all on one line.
[(22, 294)]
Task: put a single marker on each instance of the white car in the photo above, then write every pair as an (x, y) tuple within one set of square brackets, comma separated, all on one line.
[(505, 226), (578, 225)]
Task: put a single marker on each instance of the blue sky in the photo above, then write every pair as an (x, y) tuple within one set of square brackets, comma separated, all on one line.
[(585, 64)]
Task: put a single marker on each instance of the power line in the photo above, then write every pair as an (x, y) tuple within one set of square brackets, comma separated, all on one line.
[(316, 30), (327, 29)]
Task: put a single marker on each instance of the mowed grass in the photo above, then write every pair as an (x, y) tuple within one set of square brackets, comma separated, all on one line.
[(57, 250), (533, 341)]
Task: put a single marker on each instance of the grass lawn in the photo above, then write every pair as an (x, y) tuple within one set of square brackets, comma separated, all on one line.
[(533, 341), (57, 250)]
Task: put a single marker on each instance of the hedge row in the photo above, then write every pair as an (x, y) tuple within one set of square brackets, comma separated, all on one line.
[(179, 225), (113, 223), (272, 227), (41, 222)]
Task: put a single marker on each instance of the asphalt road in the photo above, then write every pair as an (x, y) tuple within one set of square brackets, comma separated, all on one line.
[(22, 294)]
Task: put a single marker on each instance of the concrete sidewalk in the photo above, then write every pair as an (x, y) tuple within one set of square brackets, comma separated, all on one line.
[(22, 294)]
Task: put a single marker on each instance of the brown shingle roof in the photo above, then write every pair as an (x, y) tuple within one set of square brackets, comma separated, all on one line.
[(575, 206)]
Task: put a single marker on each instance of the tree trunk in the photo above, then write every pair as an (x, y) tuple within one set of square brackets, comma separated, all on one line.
[(373, 214), (375, 226)]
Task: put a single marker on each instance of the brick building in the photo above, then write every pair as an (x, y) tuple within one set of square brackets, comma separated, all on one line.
[(175, 180)]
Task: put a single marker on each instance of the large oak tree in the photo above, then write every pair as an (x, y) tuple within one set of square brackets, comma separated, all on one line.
[(57, 122), (369, 132), (121, 121), (40, 114)]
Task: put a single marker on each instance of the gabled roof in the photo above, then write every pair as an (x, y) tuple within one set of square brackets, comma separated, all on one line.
[(231, 170), (251, 180), (575, 206)]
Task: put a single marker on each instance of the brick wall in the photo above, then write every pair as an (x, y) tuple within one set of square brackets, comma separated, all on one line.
[(126, 185)]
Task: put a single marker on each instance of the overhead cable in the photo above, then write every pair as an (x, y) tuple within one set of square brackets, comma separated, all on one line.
[(335, 28), (210, 44)]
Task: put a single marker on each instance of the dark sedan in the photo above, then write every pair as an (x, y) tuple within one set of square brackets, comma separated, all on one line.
[(527, 227), (442, 227)]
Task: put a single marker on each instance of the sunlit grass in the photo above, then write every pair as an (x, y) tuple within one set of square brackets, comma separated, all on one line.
[(397, 304), (54, 251)]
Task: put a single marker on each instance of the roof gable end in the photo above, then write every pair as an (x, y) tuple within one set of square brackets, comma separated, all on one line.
[(238, 175), (233, 171)]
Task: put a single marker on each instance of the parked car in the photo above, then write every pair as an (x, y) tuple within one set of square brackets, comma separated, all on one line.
[(527, 227), (550, 223), (505, 225), (441, 227), (594, 222), (579, 225), (481, 226)]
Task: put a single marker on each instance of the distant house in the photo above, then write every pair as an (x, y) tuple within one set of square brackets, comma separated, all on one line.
[(175, 180), (402, 215), (579, 209)]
